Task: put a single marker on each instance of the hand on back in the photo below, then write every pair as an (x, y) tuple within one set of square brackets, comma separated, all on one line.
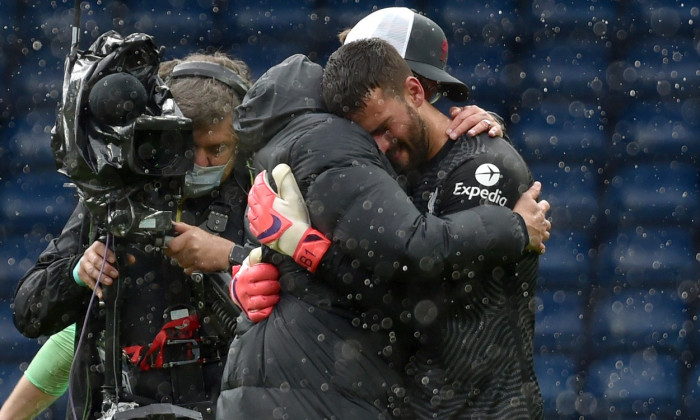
[(472, 120), (535, 215)]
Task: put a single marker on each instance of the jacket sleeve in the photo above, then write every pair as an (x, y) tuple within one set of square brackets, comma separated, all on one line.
[(377, 224), (367, 213), (47, 299)]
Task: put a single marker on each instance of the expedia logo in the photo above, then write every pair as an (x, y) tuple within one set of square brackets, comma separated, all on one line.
[(487, 175)]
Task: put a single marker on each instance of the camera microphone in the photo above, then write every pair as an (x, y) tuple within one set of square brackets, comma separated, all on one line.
[(117, 99)]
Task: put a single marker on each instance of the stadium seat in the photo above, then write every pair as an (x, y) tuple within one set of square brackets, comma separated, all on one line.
[(51, 23), (18, 253), (10, 373), (636, 384), (261, 53), (8, 21), (278, 19), (28, 141), (181, 32), (573, 68), (18, 348), (556, 129), (662, 19), (643, 257), (612, 132), (39, 85), (482, 44), (659, 67), (572, 192), (638, 319), (572, 14), (559, 380), (651, 132), (488, 23), (567, 263), (481, 67), (48, 209), (653, 194), (343, 14), (558, 321), (691, 390)]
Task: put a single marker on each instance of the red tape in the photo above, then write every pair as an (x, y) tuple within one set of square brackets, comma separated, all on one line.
[(181, 328)]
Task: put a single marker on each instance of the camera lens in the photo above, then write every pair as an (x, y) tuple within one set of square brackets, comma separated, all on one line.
[(157, 151), (161, 147)]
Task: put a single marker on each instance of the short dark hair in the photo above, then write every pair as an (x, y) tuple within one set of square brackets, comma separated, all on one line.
[(357, 68)]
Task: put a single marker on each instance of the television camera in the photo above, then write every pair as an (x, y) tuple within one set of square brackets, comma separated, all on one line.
[(126, 146), (121, 138)]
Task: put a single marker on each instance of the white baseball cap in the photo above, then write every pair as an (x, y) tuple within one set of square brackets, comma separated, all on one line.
[(419, 40)]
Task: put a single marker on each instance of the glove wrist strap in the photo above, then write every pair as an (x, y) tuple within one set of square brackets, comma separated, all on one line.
[(311, 249), (232, 287)]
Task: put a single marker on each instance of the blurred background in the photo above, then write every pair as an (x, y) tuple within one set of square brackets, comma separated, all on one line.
[(601, 97)]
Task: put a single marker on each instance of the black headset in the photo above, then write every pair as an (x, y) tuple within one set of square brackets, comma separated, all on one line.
[(224, 75), (215, 71)]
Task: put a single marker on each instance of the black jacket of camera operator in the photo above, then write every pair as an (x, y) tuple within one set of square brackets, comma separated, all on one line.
[(125, 145)]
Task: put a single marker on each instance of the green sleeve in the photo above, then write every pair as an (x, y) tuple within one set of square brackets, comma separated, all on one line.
[(50, 369)]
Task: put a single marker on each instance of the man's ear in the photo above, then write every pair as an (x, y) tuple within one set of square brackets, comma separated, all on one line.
[(414, 91)]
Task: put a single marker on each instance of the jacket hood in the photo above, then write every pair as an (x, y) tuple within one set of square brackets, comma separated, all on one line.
[(284, 92)]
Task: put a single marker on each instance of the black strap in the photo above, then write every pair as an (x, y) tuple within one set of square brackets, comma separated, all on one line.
[(215, 71)]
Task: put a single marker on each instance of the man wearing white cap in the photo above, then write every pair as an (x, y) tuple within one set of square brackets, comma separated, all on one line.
[(476, 359), (423, 44)]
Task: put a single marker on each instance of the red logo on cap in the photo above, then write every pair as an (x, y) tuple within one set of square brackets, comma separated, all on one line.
[(443, 56)]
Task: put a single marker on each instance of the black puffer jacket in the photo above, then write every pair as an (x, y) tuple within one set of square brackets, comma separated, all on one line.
[(325, 352)]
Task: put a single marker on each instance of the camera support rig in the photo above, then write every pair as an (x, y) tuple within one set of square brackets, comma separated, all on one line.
[(128, 168)]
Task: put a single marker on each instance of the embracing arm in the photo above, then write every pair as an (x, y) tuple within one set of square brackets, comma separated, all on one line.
[(376, 223), (353, 200), (373, 221)]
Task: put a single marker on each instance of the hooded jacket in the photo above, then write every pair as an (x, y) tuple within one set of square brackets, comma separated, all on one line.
[(331, 348)]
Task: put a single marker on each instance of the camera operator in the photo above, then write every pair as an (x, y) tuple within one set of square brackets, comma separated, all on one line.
[(159, 300)]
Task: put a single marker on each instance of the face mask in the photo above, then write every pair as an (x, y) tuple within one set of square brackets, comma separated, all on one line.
[(203, 179)]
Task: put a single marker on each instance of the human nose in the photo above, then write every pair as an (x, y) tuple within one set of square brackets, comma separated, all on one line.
[(200, 157)]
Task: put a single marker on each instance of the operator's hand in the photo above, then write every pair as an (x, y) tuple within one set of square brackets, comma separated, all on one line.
[(99, 258), (535, 215), (280, 219), (195, 249), (255, 287), (472, 120)]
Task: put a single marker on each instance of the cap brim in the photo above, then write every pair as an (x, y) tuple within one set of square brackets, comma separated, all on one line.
[(451, 86)]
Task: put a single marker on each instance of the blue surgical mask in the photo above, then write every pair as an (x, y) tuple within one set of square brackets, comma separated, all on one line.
[(203, 179)]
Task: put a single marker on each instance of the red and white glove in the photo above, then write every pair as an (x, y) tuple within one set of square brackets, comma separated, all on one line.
[(255, 287), (281, 221)]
